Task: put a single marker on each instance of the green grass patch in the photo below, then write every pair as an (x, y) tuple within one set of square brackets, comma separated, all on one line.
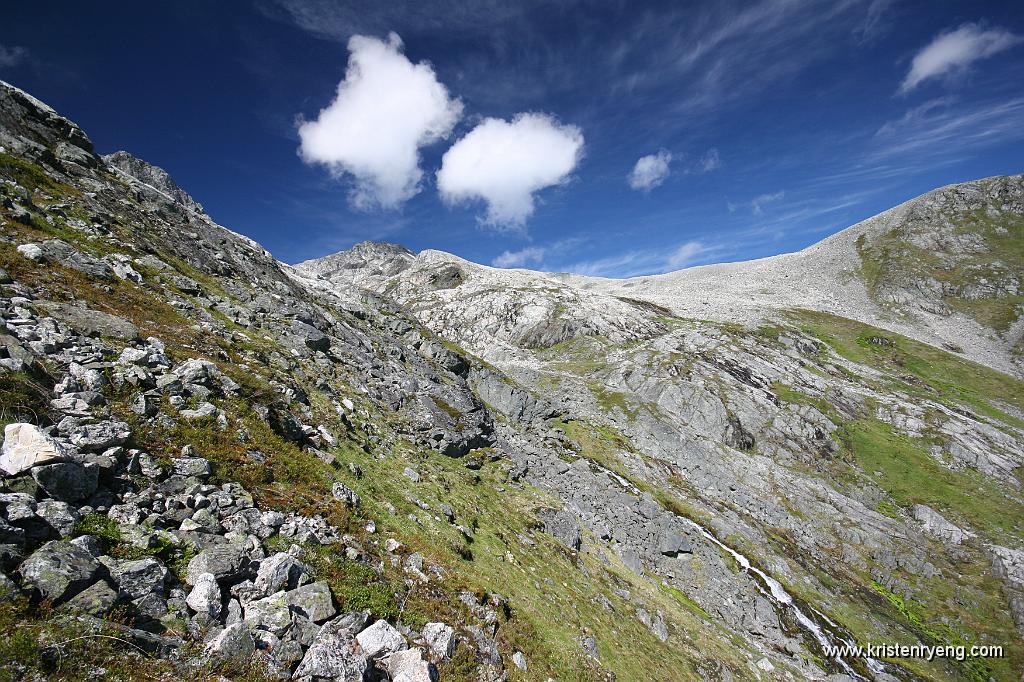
[(910, 475), (918, 368)]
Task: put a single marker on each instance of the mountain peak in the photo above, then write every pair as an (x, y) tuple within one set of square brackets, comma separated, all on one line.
[(151, 175)]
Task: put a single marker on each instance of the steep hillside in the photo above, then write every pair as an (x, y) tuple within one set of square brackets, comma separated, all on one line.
[(216, 465)]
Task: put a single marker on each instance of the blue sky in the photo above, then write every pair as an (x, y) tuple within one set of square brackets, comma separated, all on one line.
[(511, 133)]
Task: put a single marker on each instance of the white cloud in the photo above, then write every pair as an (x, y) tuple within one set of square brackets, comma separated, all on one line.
[(956, 50), (385, 109), (757, 203), (11, 56), (650, 171), (685, 255), (505, 163), (517, 259), (710, 161)]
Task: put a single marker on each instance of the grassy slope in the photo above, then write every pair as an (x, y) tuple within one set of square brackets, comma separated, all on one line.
[(554, 595)]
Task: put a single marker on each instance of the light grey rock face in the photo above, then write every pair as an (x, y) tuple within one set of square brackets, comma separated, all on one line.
[(153, 176), (345, 494), (410, 666), (93, 322), (281, 571), (60, 570), (380, 639), (655, 623), (99, 599), (60, 516), (519, 659), (937, 526), (26, 446), (563, 526), (274, 613), (191, 466), (234, 642), (312, 337), (440, 638)]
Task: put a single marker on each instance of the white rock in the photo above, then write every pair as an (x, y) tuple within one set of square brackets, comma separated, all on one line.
[(234, 642), (380, 639), (205, 597), (32, 251), (440, 638), (25, 446), (409, 666)]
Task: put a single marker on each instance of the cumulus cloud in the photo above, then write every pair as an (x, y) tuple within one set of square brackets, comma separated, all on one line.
[(957, 49), (650, 171), (517, 259), (385, 110), (11, 56), (504, 163)]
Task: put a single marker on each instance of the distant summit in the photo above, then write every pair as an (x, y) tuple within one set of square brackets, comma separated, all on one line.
[(154, 176)]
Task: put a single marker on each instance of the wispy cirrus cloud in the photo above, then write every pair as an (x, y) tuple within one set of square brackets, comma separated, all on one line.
[(650, 261), (943, 127), (520, 258), (11, 56), (758, 203), (956, 50)]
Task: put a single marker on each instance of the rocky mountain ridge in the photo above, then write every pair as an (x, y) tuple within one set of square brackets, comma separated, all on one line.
[(855, 273), (539, 492)]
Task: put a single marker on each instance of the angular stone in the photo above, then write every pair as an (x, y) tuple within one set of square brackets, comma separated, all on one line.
[(205, 598), (191, 466), (26, 446), (234, 642), (279, 572), (440, 638), (673, 544), (93, 322), (345, 494), (225, 561), (335, 653), (60, 516), (100, 436), (563, 526), (59, 570), (139, 578), (67, 481), (410, 666), (313, 338), (98, 599), (380, 639)]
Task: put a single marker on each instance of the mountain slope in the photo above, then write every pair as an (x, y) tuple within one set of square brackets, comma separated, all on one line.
[(597, 488), (943, 268)]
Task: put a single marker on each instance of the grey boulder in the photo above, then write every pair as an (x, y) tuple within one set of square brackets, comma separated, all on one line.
[(67, 481), (59, 570)]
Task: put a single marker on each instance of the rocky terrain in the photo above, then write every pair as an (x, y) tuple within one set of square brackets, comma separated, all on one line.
[(391, 466)]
